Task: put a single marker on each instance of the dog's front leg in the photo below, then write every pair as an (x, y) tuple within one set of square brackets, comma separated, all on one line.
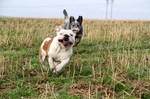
[(61, 65), (51, 62)]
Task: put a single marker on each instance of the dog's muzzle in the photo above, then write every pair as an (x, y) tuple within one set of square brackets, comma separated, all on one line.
[(65, 41), (66, 38), (75, 30)]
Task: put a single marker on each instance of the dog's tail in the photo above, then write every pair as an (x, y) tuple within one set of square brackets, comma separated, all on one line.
[(66, 17)]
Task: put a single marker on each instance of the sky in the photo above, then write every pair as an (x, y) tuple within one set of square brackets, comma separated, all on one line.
[(89, 9)]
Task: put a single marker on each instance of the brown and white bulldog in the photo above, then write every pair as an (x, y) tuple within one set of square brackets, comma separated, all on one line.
[(57, 49)]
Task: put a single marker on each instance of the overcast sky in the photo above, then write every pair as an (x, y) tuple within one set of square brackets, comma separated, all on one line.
[(89, 9)]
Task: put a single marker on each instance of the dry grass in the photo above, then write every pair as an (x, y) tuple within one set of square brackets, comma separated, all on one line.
[(112, 60)]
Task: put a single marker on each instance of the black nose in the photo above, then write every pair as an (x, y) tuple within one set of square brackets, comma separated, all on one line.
[(66, 37)]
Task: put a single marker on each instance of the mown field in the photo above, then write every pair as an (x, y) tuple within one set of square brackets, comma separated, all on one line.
[(111, 62)]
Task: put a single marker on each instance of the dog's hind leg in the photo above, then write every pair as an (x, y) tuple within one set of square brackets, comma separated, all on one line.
[(42, 57), (51, 62)]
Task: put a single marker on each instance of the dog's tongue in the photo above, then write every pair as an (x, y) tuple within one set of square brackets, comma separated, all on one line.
[(75, 31), (66, 43)]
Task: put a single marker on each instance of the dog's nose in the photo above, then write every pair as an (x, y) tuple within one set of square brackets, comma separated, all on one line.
[(66, 37)]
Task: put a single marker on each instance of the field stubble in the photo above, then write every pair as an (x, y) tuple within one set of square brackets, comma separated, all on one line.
[(112, 60)]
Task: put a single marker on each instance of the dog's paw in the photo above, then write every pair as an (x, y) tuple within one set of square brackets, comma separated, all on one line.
[(52, 68), (55, 70)]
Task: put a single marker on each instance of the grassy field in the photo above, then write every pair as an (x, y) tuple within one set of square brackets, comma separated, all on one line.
[(111, 62)]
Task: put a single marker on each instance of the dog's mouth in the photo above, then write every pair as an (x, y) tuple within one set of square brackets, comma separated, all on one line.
[(65, 43), (75, 30)]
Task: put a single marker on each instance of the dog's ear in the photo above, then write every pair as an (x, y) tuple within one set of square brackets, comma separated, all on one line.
[(80, 19), (72, 19), (58, 27)]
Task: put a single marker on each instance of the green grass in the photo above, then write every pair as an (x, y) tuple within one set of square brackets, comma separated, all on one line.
[(112, 61)]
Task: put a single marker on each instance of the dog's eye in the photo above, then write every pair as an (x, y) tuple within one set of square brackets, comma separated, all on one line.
[(71, 34)]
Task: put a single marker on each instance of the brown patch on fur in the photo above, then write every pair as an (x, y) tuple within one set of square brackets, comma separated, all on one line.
[(40, 54), (45, 47)]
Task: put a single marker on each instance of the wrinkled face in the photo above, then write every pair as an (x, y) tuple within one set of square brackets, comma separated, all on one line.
[(75, 26), (66, 38)]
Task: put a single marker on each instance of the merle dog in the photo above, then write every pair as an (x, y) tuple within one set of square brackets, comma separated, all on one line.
[(75, 25)]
